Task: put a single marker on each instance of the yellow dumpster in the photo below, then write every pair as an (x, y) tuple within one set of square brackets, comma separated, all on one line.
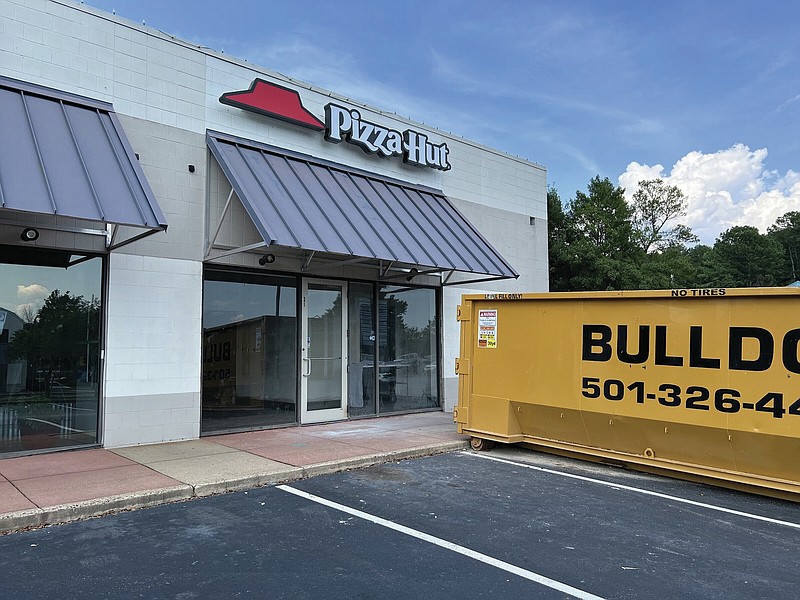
[(701, 383)]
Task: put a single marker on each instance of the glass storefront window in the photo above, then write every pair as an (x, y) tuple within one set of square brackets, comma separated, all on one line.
[(249, 351), (50, 319), (251, 372), (407, 339), (361, 352)]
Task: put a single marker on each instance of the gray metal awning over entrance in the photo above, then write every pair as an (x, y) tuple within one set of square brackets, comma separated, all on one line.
[(304, 203), (67, 156)]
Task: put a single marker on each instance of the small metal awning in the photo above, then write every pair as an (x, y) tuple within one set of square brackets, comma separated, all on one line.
[(67, 156), (330, 210)]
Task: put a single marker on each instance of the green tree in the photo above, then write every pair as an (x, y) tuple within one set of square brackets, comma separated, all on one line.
[(655, 205), (672, 267), (786, 231), (706, 267), (605, 245), (54, 343), (560, 235), (743, 257)]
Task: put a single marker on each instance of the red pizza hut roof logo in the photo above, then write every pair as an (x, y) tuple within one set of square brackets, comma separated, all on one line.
[(273, 101), (341, 124)]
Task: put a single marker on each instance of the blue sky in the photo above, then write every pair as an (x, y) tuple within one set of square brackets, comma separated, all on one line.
[(705, 94)]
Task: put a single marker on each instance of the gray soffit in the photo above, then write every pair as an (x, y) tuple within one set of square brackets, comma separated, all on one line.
[(66, 155), (296, 201)]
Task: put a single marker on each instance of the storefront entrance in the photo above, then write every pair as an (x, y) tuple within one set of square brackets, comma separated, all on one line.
[(281, 349), (368, 257), (324, 351)]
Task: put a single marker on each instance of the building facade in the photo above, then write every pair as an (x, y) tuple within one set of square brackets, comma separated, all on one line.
[(190, 244)]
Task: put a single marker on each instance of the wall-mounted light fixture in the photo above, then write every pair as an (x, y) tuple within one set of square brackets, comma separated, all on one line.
[(411, 274), (29, 234), (267, 259)]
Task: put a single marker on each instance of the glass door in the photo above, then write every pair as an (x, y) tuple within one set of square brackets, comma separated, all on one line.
[(324, 351)]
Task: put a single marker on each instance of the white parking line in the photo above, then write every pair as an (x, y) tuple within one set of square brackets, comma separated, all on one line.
[(628, 488), (494, 562)]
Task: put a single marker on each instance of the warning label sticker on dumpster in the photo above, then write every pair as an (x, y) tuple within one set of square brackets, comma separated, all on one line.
[(487, 328)]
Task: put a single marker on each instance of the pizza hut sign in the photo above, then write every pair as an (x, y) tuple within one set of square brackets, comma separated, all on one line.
[(341, 124)]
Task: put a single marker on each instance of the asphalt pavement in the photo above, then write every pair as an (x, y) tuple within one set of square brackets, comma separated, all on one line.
[(507, 523)]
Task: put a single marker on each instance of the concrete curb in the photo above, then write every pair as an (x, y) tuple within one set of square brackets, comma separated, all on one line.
[(75, 511), (65, 513), (362, 462), (247, 483)]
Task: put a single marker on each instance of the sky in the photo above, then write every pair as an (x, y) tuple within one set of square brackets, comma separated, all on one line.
[(24, 288), (703, 94)]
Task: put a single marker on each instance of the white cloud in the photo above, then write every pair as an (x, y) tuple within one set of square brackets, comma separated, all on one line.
[(34, 290), (789, 102), (32, 299), (724, 189)]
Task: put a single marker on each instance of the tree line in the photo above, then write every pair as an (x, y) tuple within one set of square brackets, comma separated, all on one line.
[(599, 241)]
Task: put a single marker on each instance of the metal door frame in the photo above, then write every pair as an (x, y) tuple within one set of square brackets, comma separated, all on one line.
[(332, 414)]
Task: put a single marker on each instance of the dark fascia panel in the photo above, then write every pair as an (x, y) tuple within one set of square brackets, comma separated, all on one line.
[(30, 255)]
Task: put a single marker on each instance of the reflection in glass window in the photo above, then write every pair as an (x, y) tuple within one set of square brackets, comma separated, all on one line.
[(49, 351), (323, 359), (361, 352), (249, 351), (407, 371)]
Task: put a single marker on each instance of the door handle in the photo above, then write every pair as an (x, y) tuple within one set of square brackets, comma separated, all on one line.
[(307, 370)]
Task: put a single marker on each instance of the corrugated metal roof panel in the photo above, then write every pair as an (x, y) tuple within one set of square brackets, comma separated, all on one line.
[(300, 202), (67, 155)]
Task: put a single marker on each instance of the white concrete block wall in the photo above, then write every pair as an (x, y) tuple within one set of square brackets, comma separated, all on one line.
[(237, 227), (153, 350), (166, 93), (165, 154)]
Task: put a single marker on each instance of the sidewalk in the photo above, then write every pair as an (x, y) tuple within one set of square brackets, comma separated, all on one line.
[(55, 488)]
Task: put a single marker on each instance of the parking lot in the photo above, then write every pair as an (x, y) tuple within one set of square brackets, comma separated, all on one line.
[(507, 523)]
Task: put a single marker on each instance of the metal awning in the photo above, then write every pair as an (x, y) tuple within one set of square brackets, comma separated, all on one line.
[(68, 156), (296, 201)]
